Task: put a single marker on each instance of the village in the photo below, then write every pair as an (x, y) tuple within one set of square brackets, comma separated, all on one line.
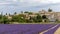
[(31, 17)]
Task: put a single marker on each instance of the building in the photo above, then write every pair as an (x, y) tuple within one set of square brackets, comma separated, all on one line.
[(50, 15)]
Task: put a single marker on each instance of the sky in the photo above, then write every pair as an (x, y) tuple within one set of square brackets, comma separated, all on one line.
[(11, 6)]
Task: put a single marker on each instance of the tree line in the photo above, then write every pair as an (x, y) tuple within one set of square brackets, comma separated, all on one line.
[(21, 18)]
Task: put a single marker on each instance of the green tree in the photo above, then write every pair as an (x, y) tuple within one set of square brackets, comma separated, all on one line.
[(18, 18), (30, 13), (49, 10), (30, 19), (1, 19), (0, 16), (6, 13), (15, 18), (21, 12), (26, 12), (44, 17), (38, 18), (5, 20), (15, 13)]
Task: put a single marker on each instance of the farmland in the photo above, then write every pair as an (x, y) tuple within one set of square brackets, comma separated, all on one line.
[(28, 28)]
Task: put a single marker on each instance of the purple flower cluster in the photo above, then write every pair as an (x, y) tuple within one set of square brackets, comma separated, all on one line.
[(24, 28)]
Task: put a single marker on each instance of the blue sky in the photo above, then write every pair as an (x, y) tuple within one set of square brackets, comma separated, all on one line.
[(11, 6)]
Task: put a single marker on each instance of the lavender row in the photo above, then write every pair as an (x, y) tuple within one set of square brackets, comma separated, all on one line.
[(24, 28), (52, 30)]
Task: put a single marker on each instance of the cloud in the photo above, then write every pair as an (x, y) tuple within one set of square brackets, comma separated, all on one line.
[(18, 5), (31, 2), (5, 3), (14, 0), (28, 3), (34, 1), (41, 1)]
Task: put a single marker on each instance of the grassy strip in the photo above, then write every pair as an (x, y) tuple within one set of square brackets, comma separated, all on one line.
[(38, 23)]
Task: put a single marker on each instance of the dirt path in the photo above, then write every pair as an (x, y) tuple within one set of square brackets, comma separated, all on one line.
[(57, 31), (48, 29)]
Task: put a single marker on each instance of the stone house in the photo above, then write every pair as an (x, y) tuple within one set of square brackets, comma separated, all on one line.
[(49, 15)]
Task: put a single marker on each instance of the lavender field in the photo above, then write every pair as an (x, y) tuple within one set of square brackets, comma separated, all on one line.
[(28, 28)]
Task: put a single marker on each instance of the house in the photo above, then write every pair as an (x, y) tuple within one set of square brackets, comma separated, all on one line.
[(30, 15), (50, 15)]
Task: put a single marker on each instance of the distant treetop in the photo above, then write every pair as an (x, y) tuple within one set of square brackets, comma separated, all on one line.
[(49, 10)]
